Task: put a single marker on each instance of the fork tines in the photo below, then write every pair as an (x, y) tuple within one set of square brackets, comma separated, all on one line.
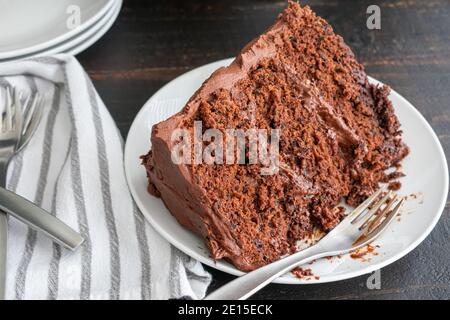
[(374, 214), (20, 112)]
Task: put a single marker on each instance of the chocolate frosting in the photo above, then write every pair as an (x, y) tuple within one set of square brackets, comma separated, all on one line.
[(184, 199)]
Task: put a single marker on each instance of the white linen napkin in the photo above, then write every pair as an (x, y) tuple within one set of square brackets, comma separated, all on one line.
[(73, 167)]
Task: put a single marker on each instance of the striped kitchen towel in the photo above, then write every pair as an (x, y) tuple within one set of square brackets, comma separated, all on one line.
[(73, 167)]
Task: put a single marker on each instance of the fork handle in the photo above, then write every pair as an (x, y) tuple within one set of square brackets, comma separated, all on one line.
[(39, 219), (3, 234), (244, 286), (3, 252)]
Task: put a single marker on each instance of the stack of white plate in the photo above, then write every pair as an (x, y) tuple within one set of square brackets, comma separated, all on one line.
[(43, 27)]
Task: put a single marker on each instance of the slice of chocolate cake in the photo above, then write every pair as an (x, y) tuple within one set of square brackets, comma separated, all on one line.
[(337, 134)]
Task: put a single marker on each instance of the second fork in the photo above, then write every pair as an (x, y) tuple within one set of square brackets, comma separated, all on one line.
[(17, 126)]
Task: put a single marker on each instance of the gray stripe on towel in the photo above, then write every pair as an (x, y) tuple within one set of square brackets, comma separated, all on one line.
[(174, 276), (144, 254), (53, 273), (106, 194), (77, 185), (46, 60)]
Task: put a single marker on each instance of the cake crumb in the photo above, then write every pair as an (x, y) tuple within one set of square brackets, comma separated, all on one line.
[(395, 185), (303, 273), (363, 252)]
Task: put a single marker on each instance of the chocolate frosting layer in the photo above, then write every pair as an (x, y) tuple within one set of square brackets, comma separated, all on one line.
[(185, 200)]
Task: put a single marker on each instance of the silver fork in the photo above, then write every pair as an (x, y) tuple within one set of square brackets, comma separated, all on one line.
[(17, 126), (362, 226)]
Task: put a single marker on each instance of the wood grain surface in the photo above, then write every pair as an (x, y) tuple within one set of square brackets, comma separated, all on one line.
[(154, 41)]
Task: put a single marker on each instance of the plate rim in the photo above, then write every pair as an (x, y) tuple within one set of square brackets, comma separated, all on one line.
[(80, 42), (85, 44), (230, 269), (61, 38)]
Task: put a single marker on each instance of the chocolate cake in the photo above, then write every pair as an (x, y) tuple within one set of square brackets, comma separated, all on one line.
[(338, 135)]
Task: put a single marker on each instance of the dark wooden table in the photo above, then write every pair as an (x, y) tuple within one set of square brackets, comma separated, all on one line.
[(154, 41)]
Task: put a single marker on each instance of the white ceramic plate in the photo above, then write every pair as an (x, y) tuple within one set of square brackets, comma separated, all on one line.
[(426, 178), (30, 26), (82, 40), (79, 47)]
